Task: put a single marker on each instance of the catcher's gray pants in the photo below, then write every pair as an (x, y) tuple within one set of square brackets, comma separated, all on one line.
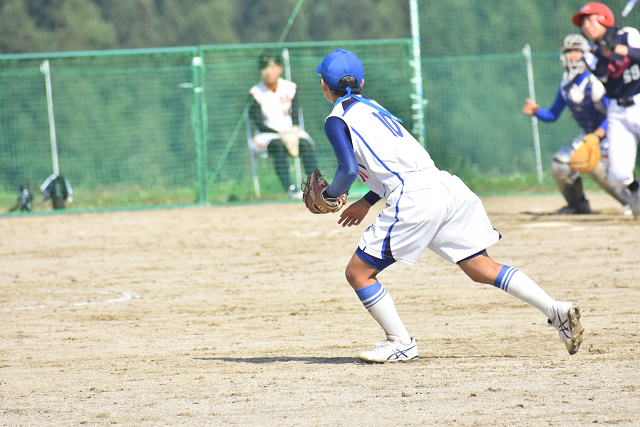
[(570, 183)]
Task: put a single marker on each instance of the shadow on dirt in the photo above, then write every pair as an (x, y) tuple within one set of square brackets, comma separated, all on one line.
[(308, 360)]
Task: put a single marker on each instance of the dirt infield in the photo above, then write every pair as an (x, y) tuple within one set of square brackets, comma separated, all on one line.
[(240, 315)]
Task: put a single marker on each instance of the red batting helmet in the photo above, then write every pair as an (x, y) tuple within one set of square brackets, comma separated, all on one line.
[(605, 16)]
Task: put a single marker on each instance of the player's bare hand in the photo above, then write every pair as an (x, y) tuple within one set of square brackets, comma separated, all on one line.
[(354, 213), (530, 107)]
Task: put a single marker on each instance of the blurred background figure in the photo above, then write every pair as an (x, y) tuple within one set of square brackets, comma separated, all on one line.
[(275, 119), (25, 200), (58, 189)]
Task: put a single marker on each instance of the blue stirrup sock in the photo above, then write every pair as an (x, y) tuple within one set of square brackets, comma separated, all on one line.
[(516, 283), (378, 302)]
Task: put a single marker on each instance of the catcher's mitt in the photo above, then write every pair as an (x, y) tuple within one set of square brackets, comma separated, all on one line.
[(586, 156), (291, 140), (312, 194)]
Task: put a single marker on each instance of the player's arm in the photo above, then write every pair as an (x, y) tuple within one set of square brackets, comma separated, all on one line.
[(255, 116), (550, 115), (597, 62), (295, 111), (632, 47), (628, 46), (340, 139), (602, 129)]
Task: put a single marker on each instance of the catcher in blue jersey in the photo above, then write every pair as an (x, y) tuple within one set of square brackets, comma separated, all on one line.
[(584, 95), (425, 208), (616, 62)]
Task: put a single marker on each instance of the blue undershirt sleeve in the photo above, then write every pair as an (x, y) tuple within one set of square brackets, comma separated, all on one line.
[(552, 114), (372, 198), (340, 138)]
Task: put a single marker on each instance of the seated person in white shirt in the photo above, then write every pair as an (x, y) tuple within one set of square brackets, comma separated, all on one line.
[(274, 116)]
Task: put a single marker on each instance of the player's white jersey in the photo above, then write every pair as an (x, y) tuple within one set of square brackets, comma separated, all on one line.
[(386, 152), (275, 104), (425, 207)]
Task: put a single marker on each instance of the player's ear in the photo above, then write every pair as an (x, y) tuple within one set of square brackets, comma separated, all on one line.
[(361, 83)]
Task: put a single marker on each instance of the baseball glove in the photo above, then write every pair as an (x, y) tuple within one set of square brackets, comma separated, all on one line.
[(586, 156), (313, 195), (291, 140)]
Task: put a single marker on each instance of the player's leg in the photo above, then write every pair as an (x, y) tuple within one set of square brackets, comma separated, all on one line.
[(565, 316), (569, 183), (461, 240), (399, 346), (624, 133), (483, 269), (622, 155), (623, 149), (308, 154), (600, 176), (279, 152)]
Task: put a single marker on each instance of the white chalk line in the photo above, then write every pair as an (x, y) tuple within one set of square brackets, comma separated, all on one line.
[(126, 296), (557, 224)]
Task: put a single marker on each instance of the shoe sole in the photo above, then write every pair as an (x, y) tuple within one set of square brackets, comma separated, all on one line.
[(576, 329), (388, 361)]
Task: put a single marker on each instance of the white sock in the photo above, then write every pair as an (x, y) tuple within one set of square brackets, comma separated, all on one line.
[(378, 302), (516, 283)]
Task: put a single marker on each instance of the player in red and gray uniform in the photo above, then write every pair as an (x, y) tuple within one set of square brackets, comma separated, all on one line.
[(616, 61)]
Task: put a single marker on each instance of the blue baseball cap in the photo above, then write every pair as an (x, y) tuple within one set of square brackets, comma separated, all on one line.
[(338, 64)]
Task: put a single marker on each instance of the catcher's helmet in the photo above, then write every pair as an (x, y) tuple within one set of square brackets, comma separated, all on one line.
[(605, 16), (572, 66)]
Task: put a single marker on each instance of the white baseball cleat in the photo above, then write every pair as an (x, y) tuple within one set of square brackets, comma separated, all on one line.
[(391, 350), (567, 322)]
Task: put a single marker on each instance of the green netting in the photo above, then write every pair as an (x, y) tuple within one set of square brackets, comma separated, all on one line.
[(232, 70), (164, 126), (475, 80), (474, 116), (123, 125), (152, 127)]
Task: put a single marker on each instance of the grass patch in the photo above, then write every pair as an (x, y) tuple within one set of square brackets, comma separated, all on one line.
[(118, 197)]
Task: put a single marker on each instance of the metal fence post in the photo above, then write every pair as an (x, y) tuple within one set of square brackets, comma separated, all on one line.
[(418, 102), (200, 126), (526, 51)]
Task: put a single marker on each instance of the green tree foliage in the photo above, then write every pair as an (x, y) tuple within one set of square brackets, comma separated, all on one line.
[(18, 30), (451, 28)]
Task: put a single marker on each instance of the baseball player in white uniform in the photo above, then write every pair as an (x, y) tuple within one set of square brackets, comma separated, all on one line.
[(425, 208), (616, 61), (274, 115)]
